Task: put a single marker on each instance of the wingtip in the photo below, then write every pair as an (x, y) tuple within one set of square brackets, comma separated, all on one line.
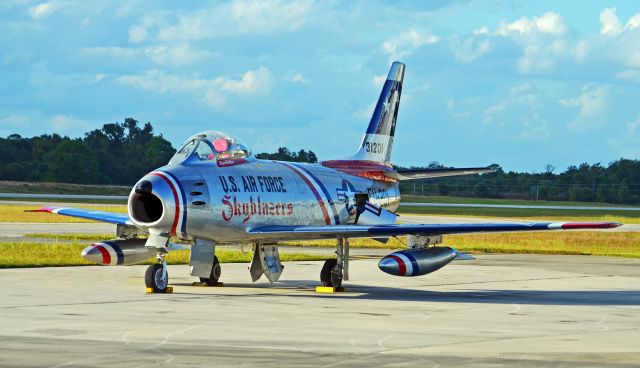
[(590, 225), (41, 209)]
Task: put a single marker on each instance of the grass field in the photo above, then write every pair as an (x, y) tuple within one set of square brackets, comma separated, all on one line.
[(14, 255), (61, 188), (73, 201), (569, 242), (15, 213), (623, 244), (620, 244)]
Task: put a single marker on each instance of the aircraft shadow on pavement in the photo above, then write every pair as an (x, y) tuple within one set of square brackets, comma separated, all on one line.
[(532, 297)]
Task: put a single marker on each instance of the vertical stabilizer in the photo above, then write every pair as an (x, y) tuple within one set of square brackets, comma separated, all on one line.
[(378, 140)]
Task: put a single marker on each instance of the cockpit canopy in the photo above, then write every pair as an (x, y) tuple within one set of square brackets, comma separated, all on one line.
[(211, 146)]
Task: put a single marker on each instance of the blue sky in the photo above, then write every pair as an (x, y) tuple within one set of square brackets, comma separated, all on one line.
[(519, 83)]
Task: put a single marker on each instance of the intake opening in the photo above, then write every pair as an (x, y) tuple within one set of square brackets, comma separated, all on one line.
[(145, 207)]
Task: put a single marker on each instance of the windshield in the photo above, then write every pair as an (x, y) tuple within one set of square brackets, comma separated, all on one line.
[(211, 146)]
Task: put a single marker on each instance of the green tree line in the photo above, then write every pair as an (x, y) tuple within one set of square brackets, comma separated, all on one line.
[(617, 182), (121, 153), (118, 153)]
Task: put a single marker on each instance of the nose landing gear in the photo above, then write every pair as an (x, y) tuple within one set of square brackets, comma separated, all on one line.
[(156, 278)]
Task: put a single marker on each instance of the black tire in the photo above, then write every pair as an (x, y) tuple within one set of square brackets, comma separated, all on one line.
[(153, 278), (216, 271), (330, 274)]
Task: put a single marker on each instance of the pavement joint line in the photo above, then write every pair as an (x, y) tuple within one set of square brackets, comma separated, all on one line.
[(459, 343), (516, 280)]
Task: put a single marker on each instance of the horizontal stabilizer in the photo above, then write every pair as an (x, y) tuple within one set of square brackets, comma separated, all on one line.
[(409, 174)]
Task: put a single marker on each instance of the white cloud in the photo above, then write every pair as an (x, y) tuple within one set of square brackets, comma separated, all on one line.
[(238, 18), (43, 10), (470, 49), (378, 80), (633, 127), (406, 43), (211, 91), (138, 34), (630, 75), (253, 81), (298, 78), (592, 105), (633, 22), (484, 30), (542, 39), (15, 120), (365, 113), (177, 54), (609, 22), (549, 23), (115, 52), (67, 124), (520, 109)]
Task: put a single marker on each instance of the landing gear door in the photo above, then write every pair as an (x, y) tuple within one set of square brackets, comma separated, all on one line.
[(267, 256)]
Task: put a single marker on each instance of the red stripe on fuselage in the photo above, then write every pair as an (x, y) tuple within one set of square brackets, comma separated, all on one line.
[(402, 267), (175, 198), (106, 257), (327, 219)]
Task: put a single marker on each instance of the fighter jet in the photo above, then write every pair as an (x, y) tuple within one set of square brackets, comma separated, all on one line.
[(214, 191)]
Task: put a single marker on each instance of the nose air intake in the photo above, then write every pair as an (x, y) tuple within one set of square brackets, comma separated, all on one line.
[(145, 206)]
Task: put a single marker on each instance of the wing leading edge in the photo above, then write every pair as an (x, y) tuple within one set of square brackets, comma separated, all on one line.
[(358, 231), (102, 216)]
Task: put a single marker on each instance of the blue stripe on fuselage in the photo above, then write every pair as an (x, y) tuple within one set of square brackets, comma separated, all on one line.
[(324, 190), (183, 226)]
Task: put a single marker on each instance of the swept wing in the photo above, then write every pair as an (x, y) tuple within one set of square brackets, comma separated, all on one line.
[(358, 231), (102, 216)]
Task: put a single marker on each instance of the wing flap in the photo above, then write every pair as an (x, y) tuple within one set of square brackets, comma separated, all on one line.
[(102, 216)]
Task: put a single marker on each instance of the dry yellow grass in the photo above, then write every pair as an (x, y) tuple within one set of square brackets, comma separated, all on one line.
[(622, 244), (15, 213), (13, 255)]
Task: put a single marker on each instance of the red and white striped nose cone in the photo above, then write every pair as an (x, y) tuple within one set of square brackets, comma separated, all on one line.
[(97, 254), (417, 262), (389, 265)]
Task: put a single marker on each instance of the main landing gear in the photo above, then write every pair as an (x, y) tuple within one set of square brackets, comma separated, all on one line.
[(335, 270), (216, 271), (156, 277)]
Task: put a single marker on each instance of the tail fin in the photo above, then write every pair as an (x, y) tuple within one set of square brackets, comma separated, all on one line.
[(378, 140)]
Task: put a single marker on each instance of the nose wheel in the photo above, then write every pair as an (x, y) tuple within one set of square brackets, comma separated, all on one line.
[(156, 277)]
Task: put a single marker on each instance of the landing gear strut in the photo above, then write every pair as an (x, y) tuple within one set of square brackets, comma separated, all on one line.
[(156, 276), (335, 270), (216, 271)]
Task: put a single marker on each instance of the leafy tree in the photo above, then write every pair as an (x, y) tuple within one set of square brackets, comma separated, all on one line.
[(72, 162)]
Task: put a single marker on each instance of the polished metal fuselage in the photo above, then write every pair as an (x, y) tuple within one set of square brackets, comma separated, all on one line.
[(223, 202)]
